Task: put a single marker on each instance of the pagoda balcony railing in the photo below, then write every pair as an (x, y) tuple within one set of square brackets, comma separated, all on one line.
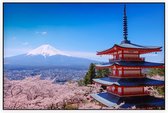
[(129, 75), (130, 93), (127, 59)]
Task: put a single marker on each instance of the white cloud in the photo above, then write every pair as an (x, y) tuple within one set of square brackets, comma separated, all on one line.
[(41, 33), (44, 33), (15, 51), (88, 55)]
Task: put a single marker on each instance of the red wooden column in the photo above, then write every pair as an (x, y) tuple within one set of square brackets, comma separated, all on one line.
[(117, 55), (122, 92), (116, 89), (116, 72), (122, 71), (122, 54), (143, 90)]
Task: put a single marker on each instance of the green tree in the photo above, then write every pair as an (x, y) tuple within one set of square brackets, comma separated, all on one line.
[(157, 71), (88, 79), (102, 73)]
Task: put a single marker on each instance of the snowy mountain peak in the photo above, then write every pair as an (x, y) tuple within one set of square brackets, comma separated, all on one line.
[(46, 50)]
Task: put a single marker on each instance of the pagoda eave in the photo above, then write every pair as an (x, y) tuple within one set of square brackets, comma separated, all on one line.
[(116, 48), (105, 67), (111, 100), (104, 84), (110, 84), (108, 81)]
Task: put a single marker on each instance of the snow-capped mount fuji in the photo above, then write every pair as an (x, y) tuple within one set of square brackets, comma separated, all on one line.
[(46, 56), (46, 50)]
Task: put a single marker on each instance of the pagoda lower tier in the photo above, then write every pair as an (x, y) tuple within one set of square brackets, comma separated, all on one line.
[(128, 89), (111, 100)]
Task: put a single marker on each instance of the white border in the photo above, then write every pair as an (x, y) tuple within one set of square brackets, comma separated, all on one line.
[(88, 111)]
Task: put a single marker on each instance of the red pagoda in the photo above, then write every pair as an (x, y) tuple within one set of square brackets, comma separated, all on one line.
[(126, 82)]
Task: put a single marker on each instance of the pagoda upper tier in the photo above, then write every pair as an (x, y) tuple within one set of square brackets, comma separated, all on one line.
[(128, 47), (131, 64)]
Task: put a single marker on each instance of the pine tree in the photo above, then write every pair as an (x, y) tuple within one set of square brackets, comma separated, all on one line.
[(88, 79)]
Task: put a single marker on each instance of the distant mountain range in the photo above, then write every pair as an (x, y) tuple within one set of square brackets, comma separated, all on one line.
[(45, 56)]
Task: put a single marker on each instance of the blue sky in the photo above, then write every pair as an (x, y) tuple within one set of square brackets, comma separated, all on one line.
[(81, 29)]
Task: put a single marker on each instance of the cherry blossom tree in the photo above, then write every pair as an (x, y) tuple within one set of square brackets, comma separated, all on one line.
[(34, 93)]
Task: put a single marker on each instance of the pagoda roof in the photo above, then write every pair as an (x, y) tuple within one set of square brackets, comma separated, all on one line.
[(111, 100), (129, 45), (128, 81), (130, 64)]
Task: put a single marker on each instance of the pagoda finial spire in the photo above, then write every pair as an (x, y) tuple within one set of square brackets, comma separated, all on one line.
[(125, 30)]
